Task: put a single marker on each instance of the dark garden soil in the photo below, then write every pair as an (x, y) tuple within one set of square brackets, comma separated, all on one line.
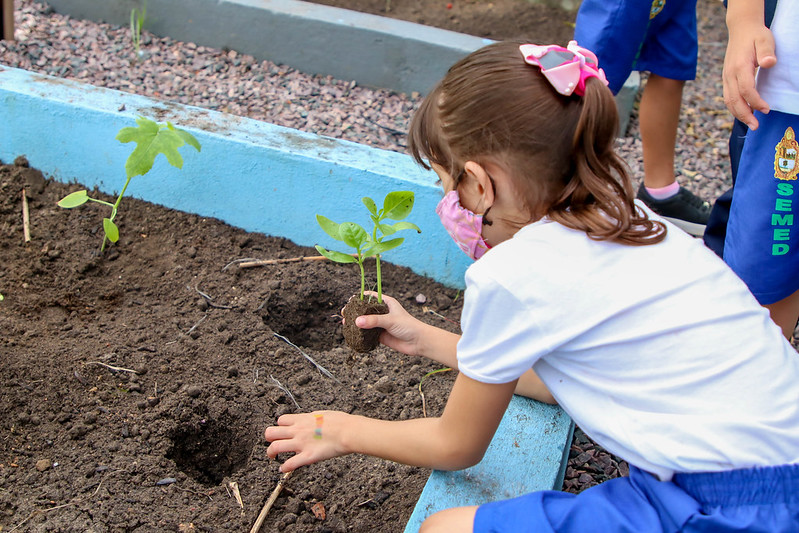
[(136, 384), (492, 19)]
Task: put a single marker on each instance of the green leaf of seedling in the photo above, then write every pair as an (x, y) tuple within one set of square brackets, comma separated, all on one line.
[(381, 247), (370, 205), (329, 227), (352, 234), (386, 229), (151, 140), (338, 257), (398, 205), (111, 230), (73, 200), (399, 226)]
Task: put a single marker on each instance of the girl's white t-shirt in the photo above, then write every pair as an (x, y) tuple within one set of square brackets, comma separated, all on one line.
[(659, 353), (779, 85)]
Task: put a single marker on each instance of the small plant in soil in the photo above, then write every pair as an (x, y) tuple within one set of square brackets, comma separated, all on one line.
[(137, 18), (397, 206), (151, 139)]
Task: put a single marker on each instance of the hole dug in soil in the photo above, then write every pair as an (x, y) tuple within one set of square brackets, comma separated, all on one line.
[(210, 448), (310, 319)]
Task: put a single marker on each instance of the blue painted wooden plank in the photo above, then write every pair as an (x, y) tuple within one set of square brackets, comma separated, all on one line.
[(528, 453)]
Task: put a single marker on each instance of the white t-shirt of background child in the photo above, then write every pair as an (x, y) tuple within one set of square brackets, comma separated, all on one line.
[(779, 85), (659, 353)]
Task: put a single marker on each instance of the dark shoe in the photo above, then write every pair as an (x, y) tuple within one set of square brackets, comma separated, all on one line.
[(685, 210)]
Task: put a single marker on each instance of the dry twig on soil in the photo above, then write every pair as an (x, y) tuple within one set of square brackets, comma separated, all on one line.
[(321, 369), (26, 219), (110, 367), (208, 299), (264, 262), (285, 390), (272, 497)]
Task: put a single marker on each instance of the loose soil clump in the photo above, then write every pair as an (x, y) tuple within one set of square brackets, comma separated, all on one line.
[(362, 340)]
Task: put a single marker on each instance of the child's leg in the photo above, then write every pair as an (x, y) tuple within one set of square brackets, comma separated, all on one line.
[(659, 117), (455, 520), (785, 314)]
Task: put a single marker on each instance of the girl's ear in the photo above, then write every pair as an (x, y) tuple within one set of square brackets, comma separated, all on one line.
[(476, 186)]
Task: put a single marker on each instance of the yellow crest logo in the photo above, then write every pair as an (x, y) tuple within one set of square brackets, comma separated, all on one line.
[(657, 7), (785, 159)]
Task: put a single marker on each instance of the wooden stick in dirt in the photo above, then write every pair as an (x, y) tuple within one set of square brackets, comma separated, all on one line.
[(7, 20), (264, 262), (110, 367), (26, 219), (270, 502)]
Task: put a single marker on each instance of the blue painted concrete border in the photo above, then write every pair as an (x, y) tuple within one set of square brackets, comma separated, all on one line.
[(250, 174), (528, 453)]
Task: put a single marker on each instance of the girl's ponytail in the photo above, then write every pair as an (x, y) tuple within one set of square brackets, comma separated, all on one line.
[(598, 198)]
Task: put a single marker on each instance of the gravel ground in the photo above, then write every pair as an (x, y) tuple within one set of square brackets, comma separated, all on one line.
[(235, 83)]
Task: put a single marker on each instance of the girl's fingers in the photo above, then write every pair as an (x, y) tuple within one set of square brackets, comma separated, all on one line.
[(273, 433), (278, 446), (368, 321), (294, 463)]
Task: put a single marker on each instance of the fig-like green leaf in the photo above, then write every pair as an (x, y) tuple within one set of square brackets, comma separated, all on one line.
[(73, 199), (152, 139)]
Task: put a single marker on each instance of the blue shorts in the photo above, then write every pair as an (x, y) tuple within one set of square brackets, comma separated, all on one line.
[(762, 242), (754, 500), (624, 38)]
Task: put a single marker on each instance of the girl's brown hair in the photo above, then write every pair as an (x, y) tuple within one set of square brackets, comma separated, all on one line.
[(493, 107)]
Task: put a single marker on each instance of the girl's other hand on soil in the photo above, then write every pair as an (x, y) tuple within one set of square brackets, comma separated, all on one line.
[(402, 331), (313, 437)]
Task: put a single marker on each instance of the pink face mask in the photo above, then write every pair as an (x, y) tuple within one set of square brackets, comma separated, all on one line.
[(463, 226)]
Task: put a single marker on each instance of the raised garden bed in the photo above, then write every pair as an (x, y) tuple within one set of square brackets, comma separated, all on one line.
[(85, 445)]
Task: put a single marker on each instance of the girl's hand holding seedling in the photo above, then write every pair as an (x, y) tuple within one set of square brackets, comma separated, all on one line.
[(313, 437), (402, 332), (396, 207)]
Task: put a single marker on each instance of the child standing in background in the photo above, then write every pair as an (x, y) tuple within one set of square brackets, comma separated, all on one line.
[(761, 88), (581, 295), (659, 38)]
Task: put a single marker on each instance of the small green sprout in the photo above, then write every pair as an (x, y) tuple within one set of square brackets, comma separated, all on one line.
[(151, 139), (397, 206), (137, 18)]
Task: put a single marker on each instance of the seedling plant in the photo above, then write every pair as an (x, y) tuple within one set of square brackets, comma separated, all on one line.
[(151, 139), (396, 206), (137, 18)]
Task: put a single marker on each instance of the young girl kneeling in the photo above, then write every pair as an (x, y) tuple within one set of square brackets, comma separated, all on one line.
[(581, 296)]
